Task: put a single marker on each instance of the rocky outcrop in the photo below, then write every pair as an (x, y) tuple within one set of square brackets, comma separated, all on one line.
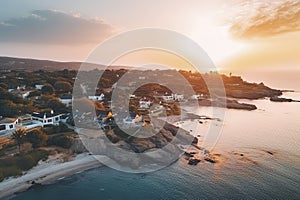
[(193, 161), (278, 99), (232, 104), (245, 90), (159, 147)]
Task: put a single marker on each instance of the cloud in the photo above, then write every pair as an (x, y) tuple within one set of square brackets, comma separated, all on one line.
[(54, 27), (259, 20)]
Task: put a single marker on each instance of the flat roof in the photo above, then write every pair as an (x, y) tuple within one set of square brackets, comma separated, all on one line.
[(7, 120)]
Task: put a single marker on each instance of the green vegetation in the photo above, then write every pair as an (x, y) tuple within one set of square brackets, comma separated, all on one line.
[(12, 105), (14, 166), (50, 130), (47, 89), (61, 140), (63, 86), (37, 138)]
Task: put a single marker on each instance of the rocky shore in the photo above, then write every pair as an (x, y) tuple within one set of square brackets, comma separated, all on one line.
[(279, 99), (231, 104)]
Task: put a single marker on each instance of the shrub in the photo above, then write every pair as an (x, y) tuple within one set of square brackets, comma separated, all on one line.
[(37, 138), (14, 166), (61, 141)]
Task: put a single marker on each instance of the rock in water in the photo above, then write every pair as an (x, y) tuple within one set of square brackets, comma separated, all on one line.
[(193, 161)]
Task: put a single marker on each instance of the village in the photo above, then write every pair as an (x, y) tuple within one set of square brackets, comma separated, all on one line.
[(59, 109), (139, 115)]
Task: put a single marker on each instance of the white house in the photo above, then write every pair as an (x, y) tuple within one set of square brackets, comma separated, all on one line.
[(21, 93), (47, 118), (178, 97), (7, 125), (97, 97), (67, 100), (168, 97), (173, 97), (27, 122), (145, 104), (197, 96), (39, 86)]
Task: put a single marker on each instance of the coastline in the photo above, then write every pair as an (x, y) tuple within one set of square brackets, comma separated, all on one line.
[(47, 175)]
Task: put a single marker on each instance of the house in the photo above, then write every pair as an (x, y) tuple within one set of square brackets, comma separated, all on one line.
[(67, 100), (144, 103), (173, 97), (47, 118), (168, 97), (21, 93), (27, 122), (97, 97), (178, 97), (39, 86), (7, 125), (197, 96)]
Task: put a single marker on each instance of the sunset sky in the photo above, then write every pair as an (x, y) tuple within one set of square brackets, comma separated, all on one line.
[(236, 34)]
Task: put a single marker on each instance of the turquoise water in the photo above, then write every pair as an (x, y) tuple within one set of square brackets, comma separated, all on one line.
[(274, 127)]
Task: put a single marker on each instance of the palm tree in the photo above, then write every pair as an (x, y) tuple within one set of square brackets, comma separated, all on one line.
[(19, 136)]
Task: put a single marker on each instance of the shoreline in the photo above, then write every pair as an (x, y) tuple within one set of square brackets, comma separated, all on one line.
[(47, 175), (49, 172)]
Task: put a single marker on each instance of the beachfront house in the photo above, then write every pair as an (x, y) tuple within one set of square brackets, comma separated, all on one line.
[(7, 125), (47, 118), (27, 122)]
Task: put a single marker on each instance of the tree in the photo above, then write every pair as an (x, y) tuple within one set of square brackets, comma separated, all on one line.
[(63, 86), (19, 136), (37, 138), (47, 89)]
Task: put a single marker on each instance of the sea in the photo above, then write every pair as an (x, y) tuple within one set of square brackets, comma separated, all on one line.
[(260, 153)]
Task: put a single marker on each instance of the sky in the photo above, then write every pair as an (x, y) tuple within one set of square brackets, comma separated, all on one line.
[(236, 34)]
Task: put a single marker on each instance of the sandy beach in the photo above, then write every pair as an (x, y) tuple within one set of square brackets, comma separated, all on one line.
[(47, 173)]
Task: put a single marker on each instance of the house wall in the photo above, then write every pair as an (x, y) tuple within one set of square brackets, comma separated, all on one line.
[(49, 121), (67, 102), (7, 127)]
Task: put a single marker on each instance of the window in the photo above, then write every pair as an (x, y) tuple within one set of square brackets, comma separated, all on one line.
[(56, 118), (11, 126), (49, 120), (2, 127)]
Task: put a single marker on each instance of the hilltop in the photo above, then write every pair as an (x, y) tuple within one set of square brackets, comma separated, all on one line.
[(30, 65)]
